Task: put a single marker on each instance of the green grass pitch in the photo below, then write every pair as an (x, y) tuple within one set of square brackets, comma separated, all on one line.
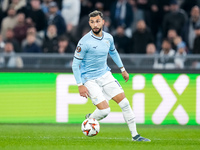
[(110, 137)]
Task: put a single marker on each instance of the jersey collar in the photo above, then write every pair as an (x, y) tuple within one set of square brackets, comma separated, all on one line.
[(96, 37)]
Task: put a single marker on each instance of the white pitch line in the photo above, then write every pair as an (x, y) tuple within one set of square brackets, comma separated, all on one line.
[(46, 137), (49, 137), (103, 138)]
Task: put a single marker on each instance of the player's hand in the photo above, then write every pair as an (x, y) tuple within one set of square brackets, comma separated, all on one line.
[(83, 91), (125, 76)]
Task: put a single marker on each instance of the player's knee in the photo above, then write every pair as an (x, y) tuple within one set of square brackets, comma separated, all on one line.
[(124, 104), (105, 112)]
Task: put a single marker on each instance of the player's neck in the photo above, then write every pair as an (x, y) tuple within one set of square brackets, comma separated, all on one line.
[(99, 34)]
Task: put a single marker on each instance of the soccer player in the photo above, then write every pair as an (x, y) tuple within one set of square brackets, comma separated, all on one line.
[(93, 75)]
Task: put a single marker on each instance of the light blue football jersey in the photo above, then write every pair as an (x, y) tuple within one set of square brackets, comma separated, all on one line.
[(93, 51)]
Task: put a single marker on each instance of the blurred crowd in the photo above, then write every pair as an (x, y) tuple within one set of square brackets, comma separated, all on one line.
[(164, 27)]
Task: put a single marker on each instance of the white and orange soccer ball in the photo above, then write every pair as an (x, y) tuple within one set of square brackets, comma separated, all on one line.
[(90, 127)]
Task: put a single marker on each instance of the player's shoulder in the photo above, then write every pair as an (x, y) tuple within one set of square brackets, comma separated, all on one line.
[(107, 35), (83, 42), (82, 46), (85, 37)]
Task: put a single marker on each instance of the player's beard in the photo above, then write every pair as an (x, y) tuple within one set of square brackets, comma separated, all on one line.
[(97, 32)]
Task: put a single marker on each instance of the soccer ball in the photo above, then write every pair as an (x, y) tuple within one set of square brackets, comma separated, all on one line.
[(90, 127)]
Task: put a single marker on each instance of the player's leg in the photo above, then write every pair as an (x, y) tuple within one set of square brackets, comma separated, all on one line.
[(101, 111), (113, 90), (129, 116), (96, 95)]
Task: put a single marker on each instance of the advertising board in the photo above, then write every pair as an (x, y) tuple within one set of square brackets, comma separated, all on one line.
[(164, 98)]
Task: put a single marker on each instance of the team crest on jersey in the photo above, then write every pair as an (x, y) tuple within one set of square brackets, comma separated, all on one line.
[(78, 49), (108, 43)]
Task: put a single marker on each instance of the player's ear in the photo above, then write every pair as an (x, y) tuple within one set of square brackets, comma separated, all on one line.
[(103, 21), (89, 23)]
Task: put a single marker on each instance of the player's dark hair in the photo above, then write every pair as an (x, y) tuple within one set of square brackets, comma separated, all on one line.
[(96, 13)]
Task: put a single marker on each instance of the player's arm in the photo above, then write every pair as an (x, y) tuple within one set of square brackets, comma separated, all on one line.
[(116, 58), (76, 71), (83, 91), (78, 57)]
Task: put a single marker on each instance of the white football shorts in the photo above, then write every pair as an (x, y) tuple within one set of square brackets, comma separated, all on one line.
[(103, 88)]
